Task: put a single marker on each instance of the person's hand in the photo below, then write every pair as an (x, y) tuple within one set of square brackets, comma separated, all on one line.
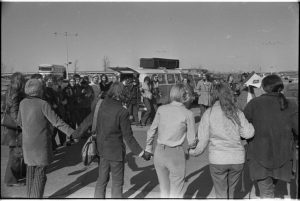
[(75, 134), (147, 155), (194, 144), (192, 152)]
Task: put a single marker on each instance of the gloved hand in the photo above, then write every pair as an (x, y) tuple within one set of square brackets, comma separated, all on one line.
[(147, 155)]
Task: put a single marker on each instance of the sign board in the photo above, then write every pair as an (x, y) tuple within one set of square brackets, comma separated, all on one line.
[(253, 80)]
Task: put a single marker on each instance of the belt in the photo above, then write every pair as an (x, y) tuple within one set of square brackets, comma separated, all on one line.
[(166, 146)]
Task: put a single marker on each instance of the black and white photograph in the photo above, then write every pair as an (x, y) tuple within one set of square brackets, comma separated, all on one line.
[(149, 99)]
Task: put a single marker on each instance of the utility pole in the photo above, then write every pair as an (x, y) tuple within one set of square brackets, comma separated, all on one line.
[(66, 34)]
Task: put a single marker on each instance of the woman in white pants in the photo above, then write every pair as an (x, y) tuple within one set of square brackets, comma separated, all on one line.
[(173, 123)]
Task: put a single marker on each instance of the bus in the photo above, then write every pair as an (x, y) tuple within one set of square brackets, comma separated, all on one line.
[(52, 69), (166, 78)]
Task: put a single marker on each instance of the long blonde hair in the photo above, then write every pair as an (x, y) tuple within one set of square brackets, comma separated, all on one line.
[(224, 95)]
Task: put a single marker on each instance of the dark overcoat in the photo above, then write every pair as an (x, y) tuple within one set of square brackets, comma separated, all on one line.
[(113, 127), (270, 151)]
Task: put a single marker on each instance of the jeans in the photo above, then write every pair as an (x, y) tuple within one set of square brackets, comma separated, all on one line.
[(133, 110), (117, 173), (148, 114), (266, 187), (169, 163), (225, 178)]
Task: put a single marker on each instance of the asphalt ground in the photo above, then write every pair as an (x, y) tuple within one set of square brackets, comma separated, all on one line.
[(67, 177)]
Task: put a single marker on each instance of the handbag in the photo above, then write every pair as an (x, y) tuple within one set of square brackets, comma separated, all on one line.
[(89, 151)]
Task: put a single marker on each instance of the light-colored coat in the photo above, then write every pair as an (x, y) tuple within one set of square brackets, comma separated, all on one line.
[(222, 136), (35, 117), (204, 89)]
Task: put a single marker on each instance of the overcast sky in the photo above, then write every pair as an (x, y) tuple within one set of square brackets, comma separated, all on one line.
[(217, 36)]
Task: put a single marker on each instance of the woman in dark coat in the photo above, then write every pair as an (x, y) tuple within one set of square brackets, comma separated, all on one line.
[(36, 117), (104, 85), (15, 170), (270, 152)]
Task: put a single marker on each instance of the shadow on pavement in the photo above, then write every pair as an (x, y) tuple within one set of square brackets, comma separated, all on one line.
[(202, 185), (78, 184), (147, 177), (67, 156)]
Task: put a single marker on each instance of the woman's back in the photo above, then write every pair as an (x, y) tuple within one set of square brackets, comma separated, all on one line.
[(272, 144), (224, 136)]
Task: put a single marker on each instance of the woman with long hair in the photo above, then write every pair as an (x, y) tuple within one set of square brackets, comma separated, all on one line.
[(104, 85), (221, 128), (270, 152), (15, 170), (173, 124), (147, 95)]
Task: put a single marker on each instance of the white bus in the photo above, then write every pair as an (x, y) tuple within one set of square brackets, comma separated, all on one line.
[(53, 69)]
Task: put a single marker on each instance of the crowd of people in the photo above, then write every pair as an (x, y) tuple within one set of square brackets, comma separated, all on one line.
[(235, 126)]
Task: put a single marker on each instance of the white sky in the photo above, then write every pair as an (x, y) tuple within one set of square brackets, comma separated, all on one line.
[(215, 35)]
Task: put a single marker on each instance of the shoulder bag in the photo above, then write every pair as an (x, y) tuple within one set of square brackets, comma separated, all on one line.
[(89, 151)]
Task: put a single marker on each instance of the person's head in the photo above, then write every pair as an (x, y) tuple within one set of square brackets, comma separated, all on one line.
[(84, 82), (243, 77), (116, 91), (86, 78), (204, 77), (34, 87), (95, 79), (72, 82), (115, 78), (274, 84), (37, 76), (147, 80), (17, 82), (230, 78), (49, 81), (179, 93), (60, 81), (104, 78), (185, 81), (155, 78), (223, 93), (77, 79)]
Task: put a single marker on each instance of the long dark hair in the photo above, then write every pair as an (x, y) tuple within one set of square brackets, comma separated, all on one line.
[(224, 94), (147, 78), (274, 84), (17, 82), (106, 79)]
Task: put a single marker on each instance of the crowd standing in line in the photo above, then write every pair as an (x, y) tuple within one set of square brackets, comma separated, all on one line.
[(223, 129)]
